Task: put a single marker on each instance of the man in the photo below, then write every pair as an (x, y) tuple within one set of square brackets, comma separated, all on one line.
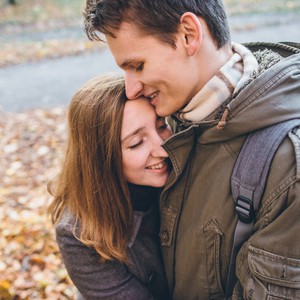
[(179, 55)]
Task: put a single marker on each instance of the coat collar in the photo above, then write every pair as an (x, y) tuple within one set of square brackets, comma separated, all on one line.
[(137, 220)]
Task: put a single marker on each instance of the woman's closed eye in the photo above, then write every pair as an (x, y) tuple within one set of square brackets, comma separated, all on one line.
[(136, 144), (163, 126)]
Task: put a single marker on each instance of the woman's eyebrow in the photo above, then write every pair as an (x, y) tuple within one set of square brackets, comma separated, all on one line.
[(132, 133)]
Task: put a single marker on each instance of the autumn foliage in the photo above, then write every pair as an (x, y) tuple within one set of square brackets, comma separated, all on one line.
[(31, 149)]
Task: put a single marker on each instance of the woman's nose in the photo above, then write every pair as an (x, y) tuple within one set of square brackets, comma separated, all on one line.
[(157, 149)]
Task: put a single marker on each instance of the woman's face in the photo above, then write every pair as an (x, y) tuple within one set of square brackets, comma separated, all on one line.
[(143, 132)]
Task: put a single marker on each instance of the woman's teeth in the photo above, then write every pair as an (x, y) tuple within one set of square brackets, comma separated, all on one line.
[(156, 167)]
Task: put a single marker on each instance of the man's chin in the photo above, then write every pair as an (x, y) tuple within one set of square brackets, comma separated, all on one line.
[(161, 112)]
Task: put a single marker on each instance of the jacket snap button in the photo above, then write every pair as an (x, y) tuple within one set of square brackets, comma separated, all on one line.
[(151, 277), (164, 236)]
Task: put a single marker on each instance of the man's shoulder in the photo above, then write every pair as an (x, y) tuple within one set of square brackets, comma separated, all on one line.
[(284, 49)]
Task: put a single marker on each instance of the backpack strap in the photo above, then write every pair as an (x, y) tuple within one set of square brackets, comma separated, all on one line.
[(248, 181)]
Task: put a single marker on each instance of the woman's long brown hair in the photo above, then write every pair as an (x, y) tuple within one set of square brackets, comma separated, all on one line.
[(91, 184)]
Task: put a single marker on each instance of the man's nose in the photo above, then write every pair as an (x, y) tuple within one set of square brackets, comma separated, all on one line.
[(133, 86)]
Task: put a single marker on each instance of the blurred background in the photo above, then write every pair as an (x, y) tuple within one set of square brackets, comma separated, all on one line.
[(44, 58)]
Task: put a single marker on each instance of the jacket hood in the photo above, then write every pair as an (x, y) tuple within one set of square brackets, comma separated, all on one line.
[(271, 98)]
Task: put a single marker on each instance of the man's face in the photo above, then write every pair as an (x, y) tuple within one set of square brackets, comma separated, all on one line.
[(168, 77)]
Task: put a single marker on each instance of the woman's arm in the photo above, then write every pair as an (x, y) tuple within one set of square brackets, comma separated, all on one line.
[(95, 280)]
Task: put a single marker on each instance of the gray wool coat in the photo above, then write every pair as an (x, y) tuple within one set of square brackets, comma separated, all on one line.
[(142, 278)]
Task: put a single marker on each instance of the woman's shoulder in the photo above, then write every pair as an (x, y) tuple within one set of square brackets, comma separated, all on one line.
[(66, 222)]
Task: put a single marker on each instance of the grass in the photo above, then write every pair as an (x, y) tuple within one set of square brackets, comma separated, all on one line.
[(24, 28), (37, 11)]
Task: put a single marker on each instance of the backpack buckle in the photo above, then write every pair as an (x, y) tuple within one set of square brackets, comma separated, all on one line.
[(244, 209)]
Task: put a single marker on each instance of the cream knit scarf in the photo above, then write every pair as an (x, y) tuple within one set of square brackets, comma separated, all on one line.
[(229, 80)]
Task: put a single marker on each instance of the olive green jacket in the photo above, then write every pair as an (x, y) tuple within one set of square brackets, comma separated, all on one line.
[(197, 209)]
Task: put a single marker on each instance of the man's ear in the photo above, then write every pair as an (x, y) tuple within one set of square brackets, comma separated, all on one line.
[(191, 30)]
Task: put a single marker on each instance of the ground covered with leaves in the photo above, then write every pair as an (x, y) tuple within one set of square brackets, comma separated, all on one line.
[(31, 150)]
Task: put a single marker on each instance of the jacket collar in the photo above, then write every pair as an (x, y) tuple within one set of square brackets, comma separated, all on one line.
[(184, 140), (137, 220)]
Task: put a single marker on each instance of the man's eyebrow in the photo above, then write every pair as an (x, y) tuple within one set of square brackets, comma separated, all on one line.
[(132, 133), (129, 62)]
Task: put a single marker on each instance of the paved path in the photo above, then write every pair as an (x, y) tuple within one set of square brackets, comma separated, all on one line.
[(53, 82)]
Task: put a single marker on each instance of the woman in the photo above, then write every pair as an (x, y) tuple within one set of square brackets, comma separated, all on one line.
[(105, 204)]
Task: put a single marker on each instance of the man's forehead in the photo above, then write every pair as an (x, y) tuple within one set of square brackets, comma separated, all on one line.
[(126, 57), (129, 29), (127, 46)]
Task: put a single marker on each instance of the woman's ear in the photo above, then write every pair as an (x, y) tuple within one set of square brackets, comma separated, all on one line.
[(191, 30)]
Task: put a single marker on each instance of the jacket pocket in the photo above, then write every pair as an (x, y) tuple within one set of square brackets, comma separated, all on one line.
[(280, 274), (213, 240)]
